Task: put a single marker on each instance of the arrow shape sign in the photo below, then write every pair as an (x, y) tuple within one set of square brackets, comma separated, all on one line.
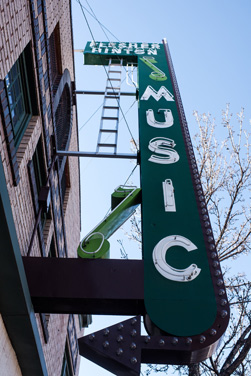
[(121, 348), (115, 348)]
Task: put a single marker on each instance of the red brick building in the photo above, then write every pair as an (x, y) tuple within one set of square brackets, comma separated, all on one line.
[(39, 193)]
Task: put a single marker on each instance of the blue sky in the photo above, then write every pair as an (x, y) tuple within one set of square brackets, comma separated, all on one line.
[(209, 41)]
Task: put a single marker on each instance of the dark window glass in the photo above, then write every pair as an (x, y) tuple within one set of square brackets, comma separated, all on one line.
[(20, 88), (52, 250), (18, 97), (39, 166), (40, 174), (66, 367), (63, 118), (55, 58), (65, 180)]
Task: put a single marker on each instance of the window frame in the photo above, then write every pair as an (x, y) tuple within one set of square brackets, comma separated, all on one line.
[(20, 88), (67, 365), (40, 174)]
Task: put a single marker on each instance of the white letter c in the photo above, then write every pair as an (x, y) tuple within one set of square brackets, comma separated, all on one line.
[(159, 259)]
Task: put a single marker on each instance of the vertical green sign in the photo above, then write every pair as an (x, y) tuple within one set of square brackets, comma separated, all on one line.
[(183, 283), (179, 293)]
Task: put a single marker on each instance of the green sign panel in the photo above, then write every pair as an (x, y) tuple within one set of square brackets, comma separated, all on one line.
[(184, 290), (99, 53), (179, 294)]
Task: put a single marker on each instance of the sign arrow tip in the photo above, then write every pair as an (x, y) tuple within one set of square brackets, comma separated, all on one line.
[(115, 348)]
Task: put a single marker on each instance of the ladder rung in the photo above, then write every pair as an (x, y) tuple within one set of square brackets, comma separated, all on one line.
[(112, 96), (107, 145), (109, 130), (114, 79), (112, 92), (113, 88), (111, 107), (114, 71), (109, 118)]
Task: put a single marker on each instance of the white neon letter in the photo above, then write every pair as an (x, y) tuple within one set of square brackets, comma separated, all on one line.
[(168, 193), (164, 146), (162, 92), (152, 51), (157, 124), (159, 259)]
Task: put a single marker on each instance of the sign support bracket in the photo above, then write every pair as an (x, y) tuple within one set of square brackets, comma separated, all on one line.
[(65, 153)]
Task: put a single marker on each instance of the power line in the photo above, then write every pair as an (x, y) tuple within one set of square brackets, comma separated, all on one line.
[(134, 168), (93, 16), (90, 117), (102, 28), (82, 9), (100, 107)]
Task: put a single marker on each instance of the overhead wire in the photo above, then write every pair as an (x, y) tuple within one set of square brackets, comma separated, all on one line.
[(87, 121), (82, 9), (102, 28), (94, 16), (134, 168), (101, 25)]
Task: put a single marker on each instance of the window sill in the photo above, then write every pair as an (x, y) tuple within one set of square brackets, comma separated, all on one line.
[(29, 141)]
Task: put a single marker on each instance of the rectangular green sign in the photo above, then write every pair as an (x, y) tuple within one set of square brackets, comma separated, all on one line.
[(99, 53)]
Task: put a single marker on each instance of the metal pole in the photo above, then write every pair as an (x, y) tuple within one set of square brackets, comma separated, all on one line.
[(102, 92), (94, 155)]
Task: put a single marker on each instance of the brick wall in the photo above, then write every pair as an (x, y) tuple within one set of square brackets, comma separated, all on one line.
[(34, 21), (8, 361), (15, 32)]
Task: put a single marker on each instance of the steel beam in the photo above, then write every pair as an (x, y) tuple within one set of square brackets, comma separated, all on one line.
[(90, 92), (72, 285), (95, 155)]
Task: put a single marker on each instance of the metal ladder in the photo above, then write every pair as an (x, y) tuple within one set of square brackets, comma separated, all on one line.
[(110, 112)]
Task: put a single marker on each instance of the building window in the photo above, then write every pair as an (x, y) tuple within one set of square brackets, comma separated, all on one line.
[(62, 113), (66, 366), (55, 58), (40, 193), (63, 120), (39, 165), (72, 342), (52, 251), (40, 175), (84, 321), (65, 185), (19, 83)]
